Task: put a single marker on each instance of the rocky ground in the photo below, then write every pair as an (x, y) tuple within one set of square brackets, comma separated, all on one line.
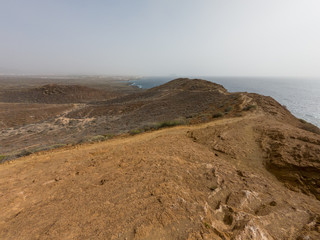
[(33, 111), (251, 173)]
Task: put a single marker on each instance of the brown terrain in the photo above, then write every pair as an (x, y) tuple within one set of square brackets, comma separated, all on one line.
[(240, 166), (33, 110)]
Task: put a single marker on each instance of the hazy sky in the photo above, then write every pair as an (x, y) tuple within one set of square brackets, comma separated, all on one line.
[(161, 37)]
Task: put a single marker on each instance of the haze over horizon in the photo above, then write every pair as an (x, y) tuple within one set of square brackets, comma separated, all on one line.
[(182, 37)]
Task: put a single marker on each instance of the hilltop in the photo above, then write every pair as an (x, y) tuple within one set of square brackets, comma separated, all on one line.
[(240, 167)]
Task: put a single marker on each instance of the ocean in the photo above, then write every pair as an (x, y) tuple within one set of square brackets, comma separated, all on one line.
[(300, 96)]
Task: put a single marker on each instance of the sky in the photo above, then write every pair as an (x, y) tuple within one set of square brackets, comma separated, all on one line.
[(166, 37)]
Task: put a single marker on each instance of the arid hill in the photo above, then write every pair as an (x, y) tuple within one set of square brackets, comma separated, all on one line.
[(54, 93), (28, 128), (243, 167), (179, 98)]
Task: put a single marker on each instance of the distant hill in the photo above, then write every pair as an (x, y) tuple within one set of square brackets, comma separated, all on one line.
[(195, 99), (56, 93)]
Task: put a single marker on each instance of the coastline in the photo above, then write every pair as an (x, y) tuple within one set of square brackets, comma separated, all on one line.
[(300, 99)]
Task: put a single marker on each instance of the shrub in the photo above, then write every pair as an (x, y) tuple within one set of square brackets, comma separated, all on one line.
[(2, 157), (207, 225), (157, 126), (46, 148), (204, 117), (191, 115), (168, 124), (108, 136), (249, 107), (135, 131), (228, 109), (97, 138), (302, 121), (310, 128), (217, 115), (24, 153), (58, 145)]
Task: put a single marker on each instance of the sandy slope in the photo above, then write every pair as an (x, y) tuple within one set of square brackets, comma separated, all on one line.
[(206, 181)]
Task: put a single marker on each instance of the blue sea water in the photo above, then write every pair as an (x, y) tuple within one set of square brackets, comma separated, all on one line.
[(300, 96)]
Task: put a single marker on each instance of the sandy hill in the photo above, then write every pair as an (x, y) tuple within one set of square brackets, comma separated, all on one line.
[(253, 174)]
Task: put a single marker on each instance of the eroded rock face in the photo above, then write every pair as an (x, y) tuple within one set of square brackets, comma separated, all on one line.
[(293, 156), (255, 147)]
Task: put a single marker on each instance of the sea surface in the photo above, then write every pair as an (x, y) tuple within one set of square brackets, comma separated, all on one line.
[(300, 96)]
